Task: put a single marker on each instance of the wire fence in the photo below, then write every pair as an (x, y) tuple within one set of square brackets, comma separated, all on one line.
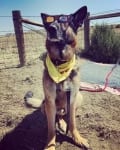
[(34, 46), (34, 41), (34, 38), (8, 51)]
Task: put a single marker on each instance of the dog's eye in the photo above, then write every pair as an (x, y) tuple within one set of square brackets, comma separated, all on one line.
[(72, 43), (69, 38)]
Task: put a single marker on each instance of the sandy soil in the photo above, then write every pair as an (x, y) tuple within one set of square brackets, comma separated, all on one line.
[(23, 128)]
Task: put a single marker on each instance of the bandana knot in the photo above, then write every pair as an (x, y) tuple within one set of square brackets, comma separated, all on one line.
[(60, 72)]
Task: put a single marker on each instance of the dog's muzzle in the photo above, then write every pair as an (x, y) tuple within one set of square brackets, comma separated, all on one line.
[(55, 33)]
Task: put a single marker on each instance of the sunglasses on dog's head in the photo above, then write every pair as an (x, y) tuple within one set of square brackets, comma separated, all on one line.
[(59, 18), (56, 25), (74, 20)]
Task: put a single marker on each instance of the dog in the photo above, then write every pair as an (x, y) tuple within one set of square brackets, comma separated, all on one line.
[(61, 74)]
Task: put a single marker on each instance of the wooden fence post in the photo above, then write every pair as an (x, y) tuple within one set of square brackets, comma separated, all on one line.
[(19, 36), (87, 32)]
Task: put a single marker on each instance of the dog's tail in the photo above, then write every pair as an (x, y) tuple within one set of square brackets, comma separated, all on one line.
[(30, 101)]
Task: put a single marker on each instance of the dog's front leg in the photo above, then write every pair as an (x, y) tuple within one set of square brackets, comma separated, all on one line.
[(50, 109), (75, 96)]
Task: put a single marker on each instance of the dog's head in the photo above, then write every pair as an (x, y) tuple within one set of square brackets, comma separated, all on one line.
[(61, 33)]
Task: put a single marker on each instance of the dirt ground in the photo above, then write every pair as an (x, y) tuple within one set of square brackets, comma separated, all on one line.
[(23, 128)]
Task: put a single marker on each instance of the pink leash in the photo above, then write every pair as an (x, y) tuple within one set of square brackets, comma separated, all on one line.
[(106, 81)]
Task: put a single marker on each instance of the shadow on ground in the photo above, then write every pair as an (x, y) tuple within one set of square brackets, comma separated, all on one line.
[(30, 134)]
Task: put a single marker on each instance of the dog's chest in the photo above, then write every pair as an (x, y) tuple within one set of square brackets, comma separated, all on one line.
[(63, 86), (61, 97)]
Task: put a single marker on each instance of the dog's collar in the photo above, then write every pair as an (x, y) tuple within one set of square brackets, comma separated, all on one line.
[(60, 72)]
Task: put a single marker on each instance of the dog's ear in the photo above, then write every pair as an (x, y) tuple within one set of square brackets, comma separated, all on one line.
[(78, 18)]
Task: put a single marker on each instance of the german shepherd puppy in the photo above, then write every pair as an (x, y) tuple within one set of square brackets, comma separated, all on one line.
[(61, 74)]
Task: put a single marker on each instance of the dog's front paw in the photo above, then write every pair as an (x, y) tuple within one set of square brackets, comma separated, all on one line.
[(79, 140)]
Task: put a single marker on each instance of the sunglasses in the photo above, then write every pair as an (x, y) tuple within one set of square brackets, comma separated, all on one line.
[(60, 19)]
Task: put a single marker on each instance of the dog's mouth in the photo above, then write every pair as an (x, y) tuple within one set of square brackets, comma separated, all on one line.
[(59, 51)]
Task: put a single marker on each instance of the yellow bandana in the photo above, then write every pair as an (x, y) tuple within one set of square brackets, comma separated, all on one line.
[(61, 72)]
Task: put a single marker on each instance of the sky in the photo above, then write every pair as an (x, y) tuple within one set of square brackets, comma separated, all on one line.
[(35, 7)]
